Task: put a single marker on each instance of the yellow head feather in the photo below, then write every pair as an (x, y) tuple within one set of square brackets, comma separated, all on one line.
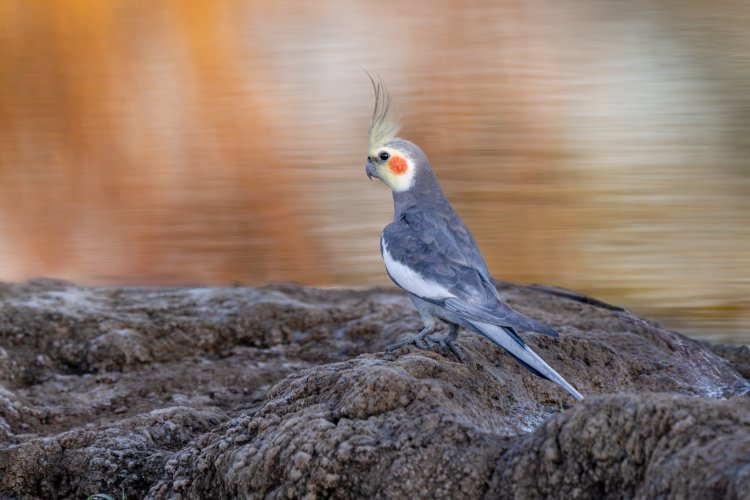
[(383, 128)]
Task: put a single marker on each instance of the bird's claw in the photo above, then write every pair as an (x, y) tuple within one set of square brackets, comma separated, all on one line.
[(461, 356), (426, 343), (417, 340), (450, 345)]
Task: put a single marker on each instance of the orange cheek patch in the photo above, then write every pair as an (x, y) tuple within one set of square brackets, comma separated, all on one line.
[(397, 165)]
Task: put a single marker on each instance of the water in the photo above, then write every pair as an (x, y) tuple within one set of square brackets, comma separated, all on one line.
[(598, 146)]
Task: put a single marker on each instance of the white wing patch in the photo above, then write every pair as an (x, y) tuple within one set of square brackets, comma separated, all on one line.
[(412, 281)]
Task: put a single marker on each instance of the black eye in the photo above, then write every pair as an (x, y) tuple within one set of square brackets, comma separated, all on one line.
[(384, 155)]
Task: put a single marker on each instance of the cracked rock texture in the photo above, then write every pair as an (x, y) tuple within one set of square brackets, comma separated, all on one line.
[(285, 392)]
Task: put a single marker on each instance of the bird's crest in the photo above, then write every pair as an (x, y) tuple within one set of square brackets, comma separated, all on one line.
[(383, 128)]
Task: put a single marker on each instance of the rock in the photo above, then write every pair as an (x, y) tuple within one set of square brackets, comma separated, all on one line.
[(648, 446), (130, 453), (284, 391), (737, 355)]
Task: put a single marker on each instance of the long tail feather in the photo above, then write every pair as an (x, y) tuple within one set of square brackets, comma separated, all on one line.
[(524, 355)]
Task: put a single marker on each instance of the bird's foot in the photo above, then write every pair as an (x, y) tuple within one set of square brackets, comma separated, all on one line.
[(449, 344), (418, 340)]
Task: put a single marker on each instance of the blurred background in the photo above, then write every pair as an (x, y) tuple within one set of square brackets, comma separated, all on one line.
[(601, 146)]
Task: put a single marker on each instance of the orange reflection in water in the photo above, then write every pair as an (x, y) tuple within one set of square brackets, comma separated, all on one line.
[(594, 146), (133, 151)]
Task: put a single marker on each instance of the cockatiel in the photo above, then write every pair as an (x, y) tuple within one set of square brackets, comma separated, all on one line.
[(429, 252)]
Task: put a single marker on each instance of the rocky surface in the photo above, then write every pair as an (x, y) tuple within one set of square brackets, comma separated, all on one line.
[(285, 392)]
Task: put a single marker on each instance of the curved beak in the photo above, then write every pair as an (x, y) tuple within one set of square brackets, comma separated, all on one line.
[(370, 170)]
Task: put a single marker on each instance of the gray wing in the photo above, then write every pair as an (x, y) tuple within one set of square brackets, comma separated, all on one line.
[(440, 248)]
